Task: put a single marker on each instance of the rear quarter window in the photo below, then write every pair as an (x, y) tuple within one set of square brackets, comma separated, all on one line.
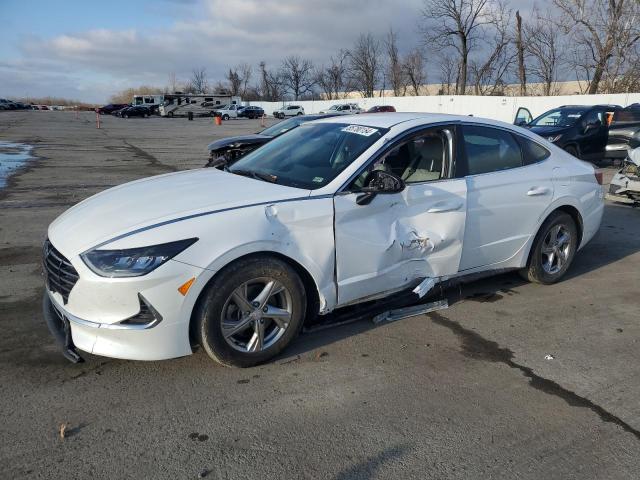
[(531, 151)]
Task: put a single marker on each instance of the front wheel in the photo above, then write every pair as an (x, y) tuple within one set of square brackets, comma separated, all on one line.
[(553, 249), (251, 312), (225, 117), (300, 113)]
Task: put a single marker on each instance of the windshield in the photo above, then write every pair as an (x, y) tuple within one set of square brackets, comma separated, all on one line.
[(281, 127), (561, 117), (309, 156), (334, 107)]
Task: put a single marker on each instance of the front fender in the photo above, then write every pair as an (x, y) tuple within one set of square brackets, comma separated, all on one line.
[(301, 230)]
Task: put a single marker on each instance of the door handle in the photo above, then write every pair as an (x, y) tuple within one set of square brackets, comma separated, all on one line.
[(537, 191), (441, 207)]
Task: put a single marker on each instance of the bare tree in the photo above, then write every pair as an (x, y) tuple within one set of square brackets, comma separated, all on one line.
[(395, 71), (449, 73), (543, 46), (173, 82), (296, 75), (414, 70), (234, 80), (488, 74), (332, 79), (245, 72), (455, 24), (198, 82), (596, 27), (522, 72), (365, 65), (271, 85)]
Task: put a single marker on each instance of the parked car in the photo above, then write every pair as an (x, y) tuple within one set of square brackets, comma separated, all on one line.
[(327, 215), (346, 109), (288, 111), (223, 152), (112, 107), (624, 126), (625, 184), (135, 111), (8, 104), (118, 113), (251, 112), (227, 111), (581, 130), (381, 109)]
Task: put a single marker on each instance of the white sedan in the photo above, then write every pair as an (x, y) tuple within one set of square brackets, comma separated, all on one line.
[(335, 212)]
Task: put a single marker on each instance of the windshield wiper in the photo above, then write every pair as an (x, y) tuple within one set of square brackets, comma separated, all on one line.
[(257, 175)]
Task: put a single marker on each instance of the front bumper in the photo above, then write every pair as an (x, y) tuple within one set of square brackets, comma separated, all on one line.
[(60, 329), (138, 318)]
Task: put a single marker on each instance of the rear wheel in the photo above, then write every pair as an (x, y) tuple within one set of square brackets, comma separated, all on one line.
[(553, 249), (251, 312)]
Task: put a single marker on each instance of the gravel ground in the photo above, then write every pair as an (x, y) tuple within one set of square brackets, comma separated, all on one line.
[(462, 393)]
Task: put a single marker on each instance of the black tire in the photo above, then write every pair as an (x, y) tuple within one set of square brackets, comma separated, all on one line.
[(209, 314), (225, 117), (300, 113), (538, 269), (126, 115), (570, 149)]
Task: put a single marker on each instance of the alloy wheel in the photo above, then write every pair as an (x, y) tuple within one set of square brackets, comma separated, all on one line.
[(256, 315), (556, 249)]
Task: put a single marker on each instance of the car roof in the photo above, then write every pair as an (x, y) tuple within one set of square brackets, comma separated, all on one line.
[(600, 105), (390, 119)]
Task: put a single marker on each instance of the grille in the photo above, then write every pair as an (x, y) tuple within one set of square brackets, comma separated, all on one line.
[(59, 273)]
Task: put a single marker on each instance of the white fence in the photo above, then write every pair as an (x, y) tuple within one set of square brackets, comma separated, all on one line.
[(497, 108)]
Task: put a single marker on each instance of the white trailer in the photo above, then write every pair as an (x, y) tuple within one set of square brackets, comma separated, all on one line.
[(180, 104)]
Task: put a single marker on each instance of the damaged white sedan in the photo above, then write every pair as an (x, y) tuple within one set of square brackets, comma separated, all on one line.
[(336, 212)]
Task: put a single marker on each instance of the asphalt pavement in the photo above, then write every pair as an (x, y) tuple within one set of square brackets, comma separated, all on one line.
[(513, 380)]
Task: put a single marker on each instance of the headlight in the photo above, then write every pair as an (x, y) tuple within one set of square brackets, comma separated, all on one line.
[(133, 262), (555, 138)]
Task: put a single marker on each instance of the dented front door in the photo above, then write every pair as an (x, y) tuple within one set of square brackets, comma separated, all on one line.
[(399, 238)]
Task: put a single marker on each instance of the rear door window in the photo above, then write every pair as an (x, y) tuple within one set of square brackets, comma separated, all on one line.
[(490, 150)]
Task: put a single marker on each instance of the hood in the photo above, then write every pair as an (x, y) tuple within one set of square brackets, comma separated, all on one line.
[(634, 156), (239, 141), (154, 200), (549, 131)]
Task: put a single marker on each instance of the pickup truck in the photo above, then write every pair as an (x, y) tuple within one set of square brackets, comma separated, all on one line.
[(227, 111)]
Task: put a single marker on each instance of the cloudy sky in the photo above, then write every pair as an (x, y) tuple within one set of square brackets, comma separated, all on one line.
[(88, 50)]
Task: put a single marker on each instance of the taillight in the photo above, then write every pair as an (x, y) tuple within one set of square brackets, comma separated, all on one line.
[(598, 175)]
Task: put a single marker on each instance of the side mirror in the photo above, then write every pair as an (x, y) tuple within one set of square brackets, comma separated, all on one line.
[(379, 182), (521, 122)]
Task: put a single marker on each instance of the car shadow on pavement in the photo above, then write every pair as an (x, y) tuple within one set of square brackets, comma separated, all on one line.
[(617, 239)]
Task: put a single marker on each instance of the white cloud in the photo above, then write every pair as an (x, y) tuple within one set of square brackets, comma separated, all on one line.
[(215, 34)]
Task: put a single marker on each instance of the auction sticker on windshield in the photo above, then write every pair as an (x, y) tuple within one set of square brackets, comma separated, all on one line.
[(360, 130)]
